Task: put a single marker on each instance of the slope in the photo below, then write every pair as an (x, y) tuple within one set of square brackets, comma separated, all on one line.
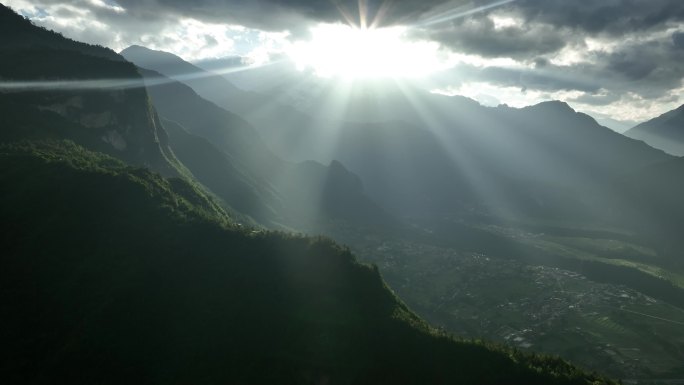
[(272, 190), (665, 132), (110, 276), (654, 197), (423, 154), (57, 88), (76, 92), (26, 34), (262, 110)]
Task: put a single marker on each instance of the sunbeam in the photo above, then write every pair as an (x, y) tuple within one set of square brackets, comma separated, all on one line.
[(349, 52), (458, 13), (115, 83)]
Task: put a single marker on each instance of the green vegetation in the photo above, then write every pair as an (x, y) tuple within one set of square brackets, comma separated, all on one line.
[(25, 34), (227, 156), (518, 302), (112, 274)]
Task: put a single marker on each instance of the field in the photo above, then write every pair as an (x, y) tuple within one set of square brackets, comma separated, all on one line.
[(531, 300)]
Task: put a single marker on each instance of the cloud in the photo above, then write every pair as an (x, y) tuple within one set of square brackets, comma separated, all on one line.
[(276, 15), (650, 69), (110, 24), (678, 40), (509, 38), (268, 15), (614, 17), (599, 53), (604, 53)]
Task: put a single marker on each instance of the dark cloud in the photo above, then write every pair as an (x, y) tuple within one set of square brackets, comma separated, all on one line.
[(647, 70), (547, 26), (282, 14), (643, 52), (678, 40), (597, 99), (615, 17), (636, 52), (481, 36), (295, 16), (627, 63), (550, 79)]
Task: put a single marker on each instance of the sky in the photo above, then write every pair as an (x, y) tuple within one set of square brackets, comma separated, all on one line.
[(621, 61)]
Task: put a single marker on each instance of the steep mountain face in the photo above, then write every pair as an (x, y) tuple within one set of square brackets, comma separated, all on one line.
[(58, 88), (114, 275), (652, 200), (170, 65), (262, 110), (222, 175), (82, 95), (423, 154), (665, 132), (227, 155), (542, 161), (24, 34)]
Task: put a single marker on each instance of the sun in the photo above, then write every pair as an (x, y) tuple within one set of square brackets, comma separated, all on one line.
[(340, 50)]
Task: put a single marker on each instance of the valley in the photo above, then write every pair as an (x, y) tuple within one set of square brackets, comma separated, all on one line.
[(361, 207), (601, 326)]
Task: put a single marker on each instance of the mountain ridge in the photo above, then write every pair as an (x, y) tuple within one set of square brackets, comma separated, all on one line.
[(290, 191), (146, 288), (665, 132)]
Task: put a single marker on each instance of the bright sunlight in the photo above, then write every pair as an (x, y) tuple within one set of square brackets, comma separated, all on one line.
[(339, 50)]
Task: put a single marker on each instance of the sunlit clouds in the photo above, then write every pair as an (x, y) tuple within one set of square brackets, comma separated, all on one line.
[(621, 59), (351, 52)]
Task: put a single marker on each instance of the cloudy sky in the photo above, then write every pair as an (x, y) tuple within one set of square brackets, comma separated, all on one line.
[(614, 59)]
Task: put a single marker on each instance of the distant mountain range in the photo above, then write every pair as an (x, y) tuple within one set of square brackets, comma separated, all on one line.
[(425, 154), (428, 158), (119, 265), (121, 122), (139, 191), (665, 132)]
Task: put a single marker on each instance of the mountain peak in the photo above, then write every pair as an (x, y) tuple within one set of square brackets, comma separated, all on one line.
[(665, 132), (140, 48), (556, 104), (137, 52), (18, 32)]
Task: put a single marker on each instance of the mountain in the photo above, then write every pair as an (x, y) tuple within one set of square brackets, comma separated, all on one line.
[(665, 132), (111, 274), (449, 154), (653, 197), (227, 155), (169, 65), (25, 34), (97, 99), (114, 117), (423, 154), (262, 109), (433, 157)]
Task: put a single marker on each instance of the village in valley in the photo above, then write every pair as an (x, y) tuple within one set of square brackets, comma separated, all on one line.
[(538, 308)]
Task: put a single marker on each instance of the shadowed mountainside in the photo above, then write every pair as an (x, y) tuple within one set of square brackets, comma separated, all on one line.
[(665, 132), (114, 120), (88, 94), (111, 276), (226, 154)]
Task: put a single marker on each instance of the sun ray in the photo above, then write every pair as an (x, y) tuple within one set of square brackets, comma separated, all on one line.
[(458, 13), (380, 14), (462, 157), (346, 15), (363, 14), (114, 83), (338, 50)]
